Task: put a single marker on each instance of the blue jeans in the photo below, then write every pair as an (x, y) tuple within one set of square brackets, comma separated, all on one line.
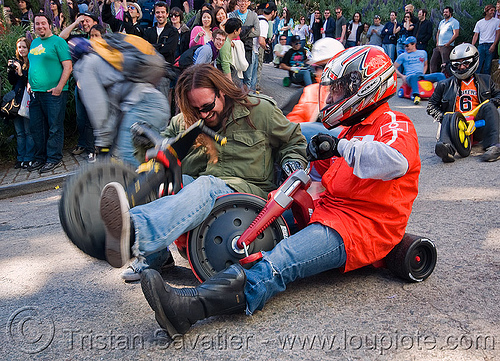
[(153, 109), (485, 58), (390, 49), (47, 122), (159, 223), (85, 130), (349, 44), (252, 73), (247, 74), (312, 128), (25, 145), (413, 79), (313, 250), (303, 76)]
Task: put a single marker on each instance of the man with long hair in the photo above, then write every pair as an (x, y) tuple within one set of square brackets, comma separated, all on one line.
[(258, 136)]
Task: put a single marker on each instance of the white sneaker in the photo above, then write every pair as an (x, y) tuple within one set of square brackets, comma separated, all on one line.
[(133, 271), (139, 264), (116, 217)]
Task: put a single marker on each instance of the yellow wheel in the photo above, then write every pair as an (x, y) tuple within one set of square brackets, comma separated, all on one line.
[(460, 140)]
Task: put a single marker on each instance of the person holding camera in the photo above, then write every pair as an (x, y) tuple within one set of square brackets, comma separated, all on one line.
[(18, 77), (390, 35)]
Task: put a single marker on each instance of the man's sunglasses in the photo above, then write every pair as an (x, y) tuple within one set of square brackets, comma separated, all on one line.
[(208, 107)]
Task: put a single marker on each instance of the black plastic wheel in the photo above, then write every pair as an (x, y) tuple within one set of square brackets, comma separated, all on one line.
[(461, 141), (79, 205), (211, 246), (413, 259)]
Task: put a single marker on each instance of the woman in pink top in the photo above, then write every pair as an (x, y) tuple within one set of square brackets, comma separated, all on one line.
[(201, 35)]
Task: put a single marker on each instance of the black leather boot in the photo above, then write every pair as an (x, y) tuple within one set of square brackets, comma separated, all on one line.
[(177, 309)]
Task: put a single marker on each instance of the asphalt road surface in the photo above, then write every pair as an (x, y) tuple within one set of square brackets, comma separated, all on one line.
[(56, 303)]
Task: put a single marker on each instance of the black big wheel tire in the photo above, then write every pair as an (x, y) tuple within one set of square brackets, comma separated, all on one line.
[(210, 246), (79, 212), (413, 259), (461, 141)]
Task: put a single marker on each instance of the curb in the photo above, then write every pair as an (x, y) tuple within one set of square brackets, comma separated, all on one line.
[(32, 186)]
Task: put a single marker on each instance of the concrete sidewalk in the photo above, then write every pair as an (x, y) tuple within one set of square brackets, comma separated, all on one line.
[(15, 182)]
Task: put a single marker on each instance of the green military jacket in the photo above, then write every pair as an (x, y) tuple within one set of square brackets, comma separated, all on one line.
[(246, 162)]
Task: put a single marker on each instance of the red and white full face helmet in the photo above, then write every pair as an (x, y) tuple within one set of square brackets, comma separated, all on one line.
[(354, 83)]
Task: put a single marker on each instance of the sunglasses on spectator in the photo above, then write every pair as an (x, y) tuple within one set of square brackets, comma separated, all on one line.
[(208, 107), (131, 7), (174, 15), (337, 12), (407, 45)]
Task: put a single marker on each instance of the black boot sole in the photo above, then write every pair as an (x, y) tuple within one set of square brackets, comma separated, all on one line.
[(151, 281)]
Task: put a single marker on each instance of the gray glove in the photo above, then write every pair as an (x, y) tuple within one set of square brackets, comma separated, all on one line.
[(290, 167)]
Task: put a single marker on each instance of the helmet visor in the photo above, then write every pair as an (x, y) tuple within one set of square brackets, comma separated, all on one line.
[(332, 93)]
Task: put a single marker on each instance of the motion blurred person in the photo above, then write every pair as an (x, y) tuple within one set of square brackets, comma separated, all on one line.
[(259, 135)]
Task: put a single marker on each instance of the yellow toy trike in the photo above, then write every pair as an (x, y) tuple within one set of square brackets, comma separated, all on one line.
[(462, 125)]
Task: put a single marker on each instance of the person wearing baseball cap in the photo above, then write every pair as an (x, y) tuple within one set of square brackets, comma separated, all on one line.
[(295, 62), (130, 23), (415, 65)]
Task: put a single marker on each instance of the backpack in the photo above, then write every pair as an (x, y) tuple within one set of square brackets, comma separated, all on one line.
[(186, 59), (133, 56)]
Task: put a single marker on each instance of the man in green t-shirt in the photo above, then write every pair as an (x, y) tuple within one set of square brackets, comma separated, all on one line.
[(49, 71)]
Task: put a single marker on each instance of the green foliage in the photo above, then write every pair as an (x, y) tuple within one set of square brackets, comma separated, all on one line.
[(8, 51), (467, 12)]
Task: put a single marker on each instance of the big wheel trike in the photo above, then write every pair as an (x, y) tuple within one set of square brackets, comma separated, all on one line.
[(239, 227), (461, 127)]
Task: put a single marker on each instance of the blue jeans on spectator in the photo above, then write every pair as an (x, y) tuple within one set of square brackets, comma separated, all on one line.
[(47, 122), (390, 49), (253, 72), (293, 258), (413, 79), (25, 145), (159, 223), (247, 74), (153, 109), (485, 58), (85, 130), (349, 44), (250, 75), (303, 76)]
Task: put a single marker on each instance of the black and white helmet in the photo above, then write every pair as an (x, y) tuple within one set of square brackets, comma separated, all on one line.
[(464, 60)]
